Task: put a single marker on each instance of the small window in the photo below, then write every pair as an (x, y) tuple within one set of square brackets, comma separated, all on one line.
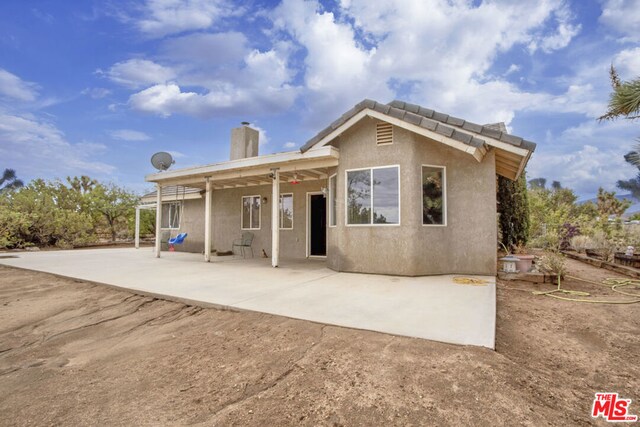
[(433, 195), (373, 196), (171, 215), (384, 133), (286, 211), (251, 212), (333, 198)]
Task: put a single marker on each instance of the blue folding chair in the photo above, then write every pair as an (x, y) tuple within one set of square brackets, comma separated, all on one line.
[(178, 240)]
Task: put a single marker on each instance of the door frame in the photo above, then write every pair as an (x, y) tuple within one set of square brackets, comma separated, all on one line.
[(308, 226)]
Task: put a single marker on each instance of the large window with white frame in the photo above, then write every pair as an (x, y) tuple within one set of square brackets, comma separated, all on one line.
[(333, 198), (373, 196), (434, 203), (286, 211), (251, 212), (171, 215)]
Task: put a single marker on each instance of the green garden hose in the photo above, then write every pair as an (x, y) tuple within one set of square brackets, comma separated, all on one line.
[(612, 283)]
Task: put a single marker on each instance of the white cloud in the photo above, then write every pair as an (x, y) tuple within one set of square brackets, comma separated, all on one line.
[(263, 138), (627, 63), (259, 85), (430, 49), (438, 52), (14, 87), (583, 170), (36, 147), (290, 144), (565, 32), (165, 100), (208, 49), (337, 70), (586, 156), (177, 154), (129, 135), (163, 17), (136, 73), (513, 68), (623, 17), (96, 92)]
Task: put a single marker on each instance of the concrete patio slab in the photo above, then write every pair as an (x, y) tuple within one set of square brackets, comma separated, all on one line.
[(431, 307)]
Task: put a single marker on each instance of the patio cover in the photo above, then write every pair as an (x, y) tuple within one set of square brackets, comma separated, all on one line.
[(253, 171)]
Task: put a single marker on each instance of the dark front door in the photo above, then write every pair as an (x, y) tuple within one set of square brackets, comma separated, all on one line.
[(317, 225)]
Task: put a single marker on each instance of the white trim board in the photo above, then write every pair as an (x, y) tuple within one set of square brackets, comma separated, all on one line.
[(346, 192), (250, 213), (308, 228), (444, 196), (476, 152)]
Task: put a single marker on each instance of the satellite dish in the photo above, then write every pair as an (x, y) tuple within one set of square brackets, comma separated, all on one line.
[(162, 161)]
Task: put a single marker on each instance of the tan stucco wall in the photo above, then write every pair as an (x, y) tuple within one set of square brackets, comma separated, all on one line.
[(466, 245), (226, 220)]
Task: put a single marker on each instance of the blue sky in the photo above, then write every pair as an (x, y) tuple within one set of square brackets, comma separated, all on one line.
[(96, 87)]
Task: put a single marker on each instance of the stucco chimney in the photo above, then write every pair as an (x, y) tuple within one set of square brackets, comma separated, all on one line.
[(244, 142)]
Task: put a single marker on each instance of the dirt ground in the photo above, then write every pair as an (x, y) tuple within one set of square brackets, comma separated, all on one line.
[(74, 353)]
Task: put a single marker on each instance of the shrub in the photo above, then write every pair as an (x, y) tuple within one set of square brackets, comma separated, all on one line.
[(567, 232), (42, 214), (513, 210), (581, 243), (604, 245)]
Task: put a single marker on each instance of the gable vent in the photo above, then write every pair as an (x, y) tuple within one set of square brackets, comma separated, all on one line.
[(384, 133)]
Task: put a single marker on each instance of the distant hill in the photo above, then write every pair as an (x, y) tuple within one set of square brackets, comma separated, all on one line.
[(634, 208)]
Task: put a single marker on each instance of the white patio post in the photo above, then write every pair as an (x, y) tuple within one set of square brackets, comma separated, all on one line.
[(275, 218), (136, 238), (158, 219), (207, 221)]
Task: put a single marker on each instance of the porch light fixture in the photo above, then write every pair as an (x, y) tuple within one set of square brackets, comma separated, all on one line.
[(295, 179), (264, 200)]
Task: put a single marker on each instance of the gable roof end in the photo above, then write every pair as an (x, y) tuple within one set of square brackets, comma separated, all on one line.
[(456, 130)]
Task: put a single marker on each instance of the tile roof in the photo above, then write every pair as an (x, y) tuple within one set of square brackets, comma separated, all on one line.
[(444, 124)]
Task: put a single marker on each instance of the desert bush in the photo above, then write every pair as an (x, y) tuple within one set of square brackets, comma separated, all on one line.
[(631, 236), (553, 262), (549, 240), (581, 243), (53, 213), (604, 244), (42, 214)]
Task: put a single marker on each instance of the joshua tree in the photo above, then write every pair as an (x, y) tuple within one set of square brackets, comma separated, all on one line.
[(9, 181), (624, 101)]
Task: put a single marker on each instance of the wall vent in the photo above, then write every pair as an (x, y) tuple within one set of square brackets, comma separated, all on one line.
[(384, 133)]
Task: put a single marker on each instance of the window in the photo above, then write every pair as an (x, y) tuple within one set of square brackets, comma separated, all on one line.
[(433, 195), (333, 198), (286, 211), (373, 196), (171, 215), (384, 133), (251, 212)]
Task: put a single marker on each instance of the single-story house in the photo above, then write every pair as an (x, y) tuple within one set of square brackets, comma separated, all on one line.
[(386, 188)]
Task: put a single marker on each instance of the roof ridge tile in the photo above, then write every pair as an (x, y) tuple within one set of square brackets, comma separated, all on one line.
[(426, 118)]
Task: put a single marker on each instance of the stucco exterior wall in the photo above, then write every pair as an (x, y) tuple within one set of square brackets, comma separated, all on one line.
[(465, 245), (226, 220)]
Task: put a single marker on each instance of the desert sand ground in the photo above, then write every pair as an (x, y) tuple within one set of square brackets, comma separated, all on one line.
[(74, 353)]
